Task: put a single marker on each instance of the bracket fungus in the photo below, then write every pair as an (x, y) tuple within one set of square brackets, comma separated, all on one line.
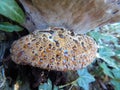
[(54, 49)]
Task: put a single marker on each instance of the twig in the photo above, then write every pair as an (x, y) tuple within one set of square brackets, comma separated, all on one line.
[(71, 87), (71, 83), (102, 85)]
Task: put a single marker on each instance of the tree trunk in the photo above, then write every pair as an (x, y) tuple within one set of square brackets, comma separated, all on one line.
[(79, 16)]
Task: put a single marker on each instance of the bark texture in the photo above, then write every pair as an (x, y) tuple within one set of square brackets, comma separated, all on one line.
[(79, 16)]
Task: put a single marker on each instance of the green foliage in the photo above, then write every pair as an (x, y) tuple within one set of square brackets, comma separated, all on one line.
[(55, 87), (10, 9), (107, 38), (102, 38), (116, 74), (106, 51), (97, 36), (116, 80), (106, 70), (8, 27), (47, 86), (116, 84), (112, 29), (84, 78), (111, 62)]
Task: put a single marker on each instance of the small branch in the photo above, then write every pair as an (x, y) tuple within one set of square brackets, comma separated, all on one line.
[(71, 83)]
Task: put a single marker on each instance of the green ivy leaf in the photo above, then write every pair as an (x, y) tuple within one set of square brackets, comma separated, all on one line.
[(117, 52), (116, 84), (55, 87), (96, 35), (111, 62), (109, 38), (116, 73), (116, 80), (9, 27), (106, 70), (10, 9), (46, 86), (103, 37), (84, 78), (106, 51)]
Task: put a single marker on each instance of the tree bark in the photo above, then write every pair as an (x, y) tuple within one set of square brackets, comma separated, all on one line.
[(79, 16)]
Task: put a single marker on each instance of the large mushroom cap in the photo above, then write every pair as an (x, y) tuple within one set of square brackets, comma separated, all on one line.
[(55, 50)]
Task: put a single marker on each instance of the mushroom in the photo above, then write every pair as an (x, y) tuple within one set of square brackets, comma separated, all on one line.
[(54, 49)]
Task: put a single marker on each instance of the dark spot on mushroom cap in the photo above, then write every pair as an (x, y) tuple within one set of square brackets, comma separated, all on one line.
[(58, 57), (33, 51), (53, 48), (50, 37), (41, 60), (28, 43), (33, 39), (72, 34), (82, 43), (45, 57), (44, 35), (20, 53), (57, 43), (48, 66), (25, 46), (34, 58), (61, 36), (44, 39), (36, 54), (51, 31), (37, 43), (75, 41), (74, 48)]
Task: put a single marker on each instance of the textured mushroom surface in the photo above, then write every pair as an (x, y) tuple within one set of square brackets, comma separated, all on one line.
[(57, 49)]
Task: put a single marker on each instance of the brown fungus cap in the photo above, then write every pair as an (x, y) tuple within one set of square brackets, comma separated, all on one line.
[(58, 49)]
